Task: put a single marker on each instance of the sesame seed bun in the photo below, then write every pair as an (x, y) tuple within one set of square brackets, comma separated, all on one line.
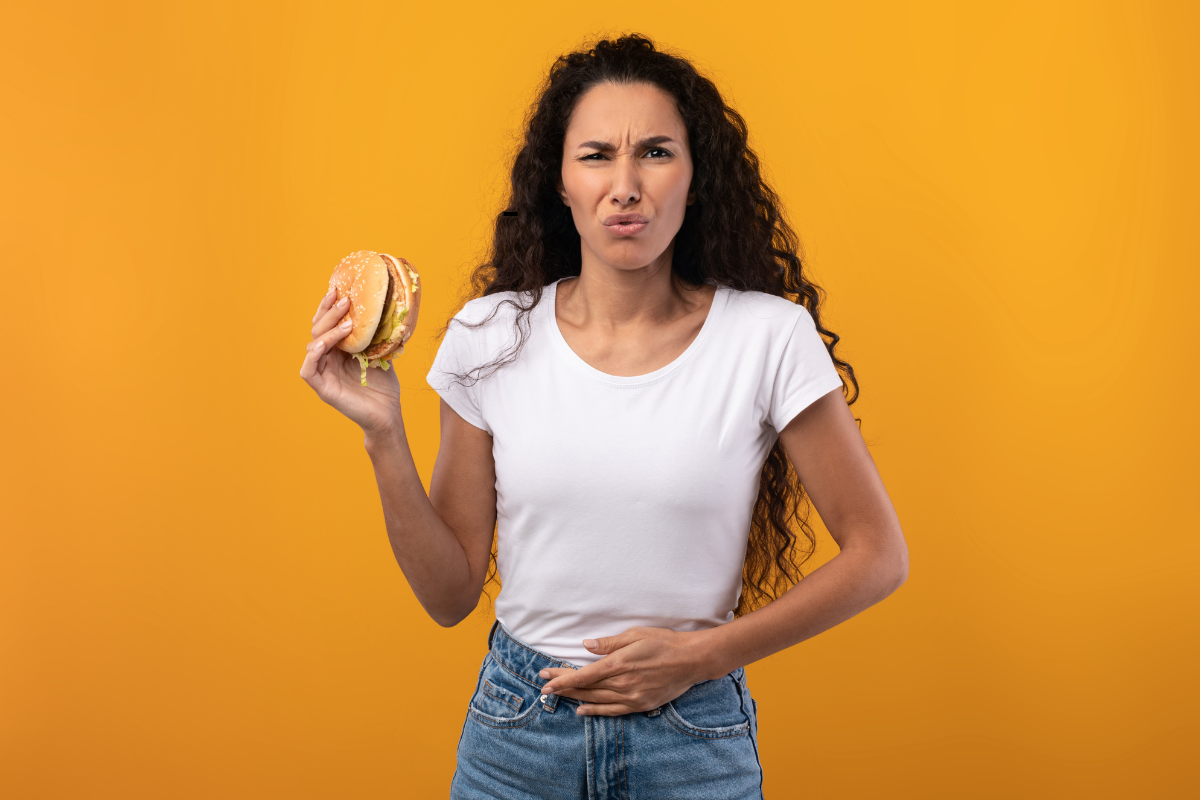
[(380, 287), (364, 277)]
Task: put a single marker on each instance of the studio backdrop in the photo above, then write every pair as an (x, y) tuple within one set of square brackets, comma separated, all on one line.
[(197, 595)]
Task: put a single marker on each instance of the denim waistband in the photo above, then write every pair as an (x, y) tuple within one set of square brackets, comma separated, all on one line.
[(525, 663)]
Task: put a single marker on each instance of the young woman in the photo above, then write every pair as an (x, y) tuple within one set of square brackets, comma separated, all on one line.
[(636, 405)]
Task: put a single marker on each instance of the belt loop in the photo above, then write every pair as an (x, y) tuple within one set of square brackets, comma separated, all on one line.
[(492, 633), (549, 702)]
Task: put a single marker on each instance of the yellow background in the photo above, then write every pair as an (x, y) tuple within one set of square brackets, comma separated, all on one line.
[(197, 597)]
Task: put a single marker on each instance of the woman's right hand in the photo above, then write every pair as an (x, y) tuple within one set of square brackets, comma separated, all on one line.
[(335, 375)]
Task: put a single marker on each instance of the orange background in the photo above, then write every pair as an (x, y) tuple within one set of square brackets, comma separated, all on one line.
[(197, 597)]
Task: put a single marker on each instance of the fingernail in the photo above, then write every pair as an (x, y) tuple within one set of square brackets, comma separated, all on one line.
[(331, 291), (347, 325), (544, 673), (319, 347), (344, 301), (589, 643)]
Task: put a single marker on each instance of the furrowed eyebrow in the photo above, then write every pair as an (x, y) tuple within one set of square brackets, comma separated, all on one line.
[(650, 142)]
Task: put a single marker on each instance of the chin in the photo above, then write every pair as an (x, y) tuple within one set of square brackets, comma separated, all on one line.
[(623, 256)]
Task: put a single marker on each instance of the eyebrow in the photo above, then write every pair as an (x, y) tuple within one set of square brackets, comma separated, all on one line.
[(650, 142)]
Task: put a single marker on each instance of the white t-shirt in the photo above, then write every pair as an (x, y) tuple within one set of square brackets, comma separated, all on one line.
[(625, 501)]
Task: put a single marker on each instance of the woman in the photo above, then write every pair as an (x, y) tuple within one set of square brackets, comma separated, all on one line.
[(635, 404)]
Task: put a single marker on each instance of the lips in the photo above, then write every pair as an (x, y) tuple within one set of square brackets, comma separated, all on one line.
[(625, 224), (624, 219)]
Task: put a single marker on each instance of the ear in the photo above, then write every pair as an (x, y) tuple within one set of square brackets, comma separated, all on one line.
[(691, 199), (562, 192)]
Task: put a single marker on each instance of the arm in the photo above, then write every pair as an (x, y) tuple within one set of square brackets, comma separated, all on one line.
[(442, 541), (650, 666), (829, 454)]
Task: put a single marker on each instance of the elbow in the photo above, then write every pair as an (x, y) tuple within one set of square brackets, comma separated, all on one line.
[(449, 617), (890, 565), (900, 565), (448, 608), (887, 559), (886, 570), (447, 620), (893, 573)]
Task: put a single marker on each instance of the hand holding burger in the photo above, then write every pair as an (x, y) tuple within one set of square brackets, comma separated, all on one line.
[(366, 317), (384, 297)]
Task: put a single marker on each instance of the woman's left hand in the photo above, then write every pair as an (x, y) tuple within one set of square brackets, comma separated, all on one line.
[(642, 669)]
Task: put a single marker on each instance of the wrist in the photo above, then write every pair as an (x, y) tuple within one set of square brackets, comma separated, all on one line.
[(380, 439), (713, 659)]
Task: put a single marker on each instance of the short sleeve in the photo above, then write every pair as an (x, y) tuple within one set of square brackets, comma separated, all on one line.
[(458, 354), (805, 373)]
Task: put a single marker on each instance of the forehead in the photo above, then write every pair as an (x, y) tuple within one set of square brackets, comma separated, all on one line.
[(613, 112)]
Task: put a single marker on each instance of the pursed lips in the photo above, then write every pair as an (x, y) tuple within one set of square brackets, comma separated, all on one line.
[(624, 219)]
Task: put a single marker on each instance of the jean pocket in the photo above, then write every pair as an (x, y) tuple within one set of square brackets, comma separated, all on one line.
[(502, 700), (709, 710)]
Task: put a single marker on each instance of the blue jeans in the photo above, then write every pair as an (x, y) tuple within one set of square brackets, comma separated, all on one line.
[(517, 744)]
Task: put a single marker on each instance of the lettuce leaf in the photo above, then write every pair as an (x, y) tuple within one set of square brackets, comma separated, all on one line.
[(364, 362)]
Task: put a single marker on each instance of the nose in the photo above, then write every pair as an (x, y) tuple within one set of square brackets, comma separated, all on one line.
[(627, 184)]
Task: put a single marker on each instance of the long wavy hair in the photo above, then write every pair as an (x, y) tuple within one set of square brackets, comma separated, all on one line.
[(735, 234)]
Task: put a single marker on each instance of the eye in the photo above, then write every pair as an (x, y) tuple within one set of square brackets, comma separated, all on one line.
[(591, 156), (665, 153)]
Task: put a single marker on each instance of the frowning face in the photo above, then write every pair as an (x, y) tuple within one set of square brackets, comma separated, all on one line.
[(626, 174)]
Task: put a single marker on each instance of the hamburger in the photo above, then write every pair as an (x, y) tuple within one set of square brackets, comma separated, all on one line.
[(384, 297)]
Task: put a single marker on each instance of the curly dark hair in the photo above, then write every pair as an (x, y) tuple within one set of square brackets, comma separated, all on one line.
[(743, 241)]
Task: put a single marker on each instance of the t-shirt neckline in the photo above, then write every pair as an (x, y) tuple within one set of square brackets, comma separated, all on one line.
[(714, 311)]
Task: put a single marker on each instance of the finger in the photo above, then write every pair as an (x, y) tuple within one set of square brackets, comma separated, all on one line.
[(325, 303), (330, 318), (560, 687), (594, 695), (341, 360), (604, 709), (609, 644), (582, 677), (310, 370), (333, 336)]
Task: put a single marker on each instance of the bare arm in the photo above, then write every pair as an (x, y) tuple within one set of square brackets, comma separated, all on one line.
[(441, 541), (645, 667), (829, 454)]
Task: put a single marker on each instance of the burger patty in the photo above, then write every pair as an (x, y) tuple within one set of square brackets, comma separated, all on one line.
[(388, 305), (382, 348)]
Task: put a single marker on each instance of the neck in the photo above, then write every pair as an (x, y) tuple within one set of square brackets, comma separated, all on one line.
[(615, 297)]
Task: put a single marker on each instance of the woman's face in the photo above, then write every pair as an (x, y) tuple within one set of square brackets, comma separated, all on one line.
[(626, 153)]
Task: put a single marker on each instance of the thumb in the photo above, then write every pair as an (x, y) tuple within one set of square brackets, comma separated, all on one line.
[(608, 644)]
